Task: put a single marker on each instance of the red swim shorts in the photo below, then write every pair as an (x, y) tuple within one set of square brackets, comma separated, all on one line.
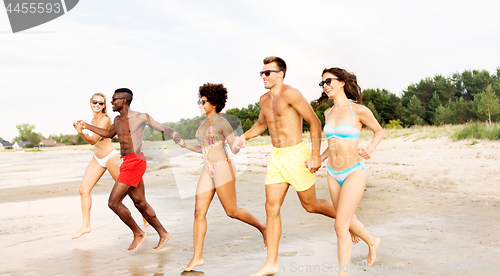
[(132, 168)]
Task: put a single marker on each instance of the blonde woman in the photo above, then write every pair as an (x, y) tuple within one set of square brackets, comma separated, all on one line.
[(105, 158)]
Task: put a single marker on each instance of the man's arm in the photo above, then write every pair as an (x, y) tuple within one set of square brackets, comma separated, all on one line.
[(162, 128), (300, 104), (107, 133), (103, 123), (261, 124), (256, 130), (324, 155)]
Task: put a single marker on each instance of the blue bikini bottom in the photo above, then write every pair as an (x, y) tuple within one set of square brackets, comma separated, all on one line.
[(340, 176)]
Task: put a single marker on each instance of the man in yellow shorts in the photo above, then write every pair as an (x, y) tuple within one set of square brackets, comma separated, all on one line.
[(281, 111), (287, 166)]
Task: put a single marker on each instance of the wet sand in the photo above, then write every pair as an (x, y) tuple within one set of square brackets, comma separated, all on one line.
[(433, 202)]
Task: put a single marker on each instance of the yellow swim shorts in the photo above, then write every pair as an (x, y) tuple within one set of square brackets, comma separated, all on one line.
[(287, 166)]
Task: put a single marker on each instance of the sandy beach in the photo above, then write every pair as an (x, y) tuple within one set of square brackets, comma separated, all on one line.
[(433, 202)]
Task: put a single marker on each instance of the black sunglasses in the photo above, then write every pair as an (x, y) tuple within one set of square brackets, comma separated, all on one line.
[(327, 81), (114, 99), (98, 102), (201, 102), (268, 72)]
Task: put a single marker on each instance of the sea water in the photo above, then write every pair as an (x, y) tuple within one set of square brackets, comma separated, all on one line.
[(18, 169)]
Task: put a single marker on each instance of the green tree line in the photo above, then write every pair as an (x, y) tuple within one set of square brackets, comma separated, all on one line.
[(187, 127), (469, 96), (457, 99), (68, 139), (27, 134)]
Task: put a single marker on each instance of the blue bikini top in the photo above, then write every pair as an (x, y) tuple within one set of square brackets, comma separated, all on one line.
[(342, 131)]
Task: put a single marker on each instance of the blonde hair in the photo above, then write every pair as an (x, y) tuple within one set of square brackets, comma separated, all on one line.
[(104, 111)]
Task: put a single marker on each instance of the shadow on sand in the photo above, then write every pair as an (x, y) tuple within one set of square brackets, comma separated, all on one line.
[(192, 273)]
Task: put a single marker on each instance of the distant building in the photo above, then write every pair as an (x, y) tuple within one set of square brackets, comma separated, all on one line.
[(20, 145), (47, 143), (4, 144)]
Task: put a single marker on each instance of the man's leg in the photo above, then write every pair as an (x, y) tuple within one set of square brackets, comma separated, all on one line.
[(275, 194), (138, 197), (321, 206), (313, 205), (118, 192)]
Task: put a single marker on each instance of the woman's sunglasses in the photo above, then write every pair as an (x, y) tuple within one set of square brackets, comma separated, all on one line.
[(268, 72), (98, 102), (201, 102), (327, 82)]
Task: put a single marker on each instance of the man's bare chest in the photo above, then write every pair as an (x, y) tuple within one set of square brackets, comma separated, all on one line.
[(278, 112), (124, 127)]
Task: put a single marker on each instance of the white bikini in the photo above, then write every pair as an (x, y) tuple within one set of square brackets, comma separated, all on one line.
[(103, 161)]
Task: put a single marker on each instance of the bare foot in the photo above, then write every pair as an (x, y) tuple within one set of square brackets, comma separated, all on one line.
[(355, 239), (267, 270), (146, 223), (194, 262), (372, 253), (162, 241), (83, 230), (137, 241)]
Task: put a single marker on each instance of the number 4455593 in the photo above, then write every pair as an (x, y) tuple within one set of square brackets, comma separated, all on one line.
[(34, 8)]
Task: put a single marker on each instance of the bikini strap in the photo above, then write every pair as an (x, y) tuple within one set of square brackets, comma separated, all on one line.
[(216, 118), (210, 122), (328, 113)]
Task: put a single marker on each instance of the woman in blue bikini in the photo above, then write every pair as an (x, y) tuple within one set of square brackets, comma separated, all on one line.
[(218, 172), (346, 167)]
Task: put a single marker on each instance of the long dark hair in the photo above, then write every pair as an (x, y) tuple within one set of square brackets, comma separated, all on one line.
[(351, 87)]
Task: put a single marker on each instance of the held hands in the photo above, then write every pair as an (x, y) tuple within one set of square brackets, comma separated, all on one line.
[(365, 153), (313, 163), (240, 142), (177, 138), (236, 150), (79, 126)]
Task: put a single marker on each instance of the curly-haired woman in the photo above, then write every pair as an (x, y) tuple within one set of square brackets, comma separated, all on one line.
[(218, 173)]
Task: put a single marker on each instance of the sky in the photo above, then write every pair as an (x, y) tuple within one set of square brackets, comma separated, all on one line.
[(164, 50)]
